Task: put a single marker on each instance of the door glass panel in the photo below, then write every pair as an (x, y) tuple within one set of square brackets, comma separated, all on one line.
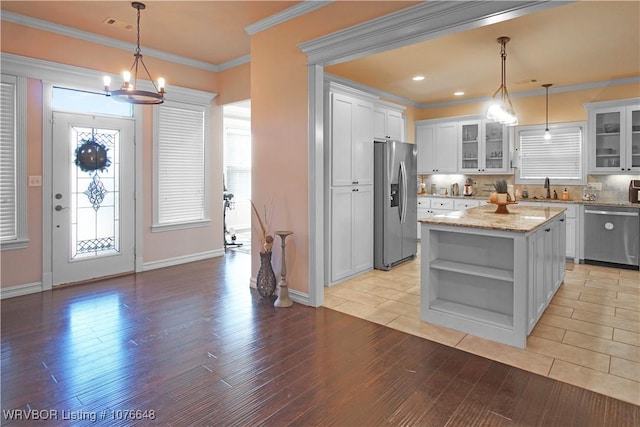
[(635, 138), (95, 210), (470, 146), (493, 146), (608, 140)]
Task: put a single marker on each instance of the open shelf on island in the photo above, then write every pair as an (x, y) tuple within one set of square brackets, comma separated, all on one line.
[(473, 270), (475, 314)]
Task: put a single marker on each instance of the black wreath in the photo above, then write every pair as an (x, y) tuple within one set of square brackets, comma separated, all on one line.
[(92, 156)]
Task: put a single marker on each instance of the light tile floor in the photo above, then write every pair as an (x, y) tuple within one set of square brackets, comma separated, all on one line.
[(589, 336)]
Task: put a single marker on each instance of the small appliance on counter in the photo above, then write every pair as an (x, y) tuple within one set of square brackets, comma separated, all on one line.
[(455, 189), (634, 191), (468, 187)]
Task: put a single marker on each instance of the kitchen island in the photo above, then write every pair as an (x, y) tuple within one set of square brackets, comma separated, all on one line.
[(491, 275)]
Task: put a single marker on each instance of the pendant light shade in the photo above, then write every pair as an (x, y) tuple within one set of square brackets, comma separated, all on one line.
[(501, 110), (129, 91), (547, 134)]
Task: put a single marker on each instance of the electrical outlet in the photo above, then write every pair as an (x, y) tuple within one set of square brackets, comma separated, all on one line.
[(595, 185), (35, 181)]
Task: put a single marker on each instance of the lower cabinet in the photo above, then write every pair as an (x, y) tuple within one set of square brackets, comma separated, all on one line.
[(351, 231), (546, 267), (572, 236)]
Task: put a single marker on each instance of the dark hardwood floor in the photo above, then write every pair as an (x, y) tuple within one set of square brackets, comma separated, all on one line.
[(194, 345)]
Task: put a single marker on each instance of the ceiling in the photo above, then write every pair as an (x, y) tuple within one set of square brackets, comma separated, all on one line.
[(573, 44)]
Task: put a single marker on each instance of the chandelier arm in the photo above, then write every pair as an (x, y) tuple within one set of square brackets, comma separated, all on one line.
[(148, 74), (506, 92)]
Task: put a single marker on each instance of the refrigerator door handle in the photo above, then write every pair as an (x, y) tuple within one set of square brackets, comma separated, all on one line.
[(403, 200)]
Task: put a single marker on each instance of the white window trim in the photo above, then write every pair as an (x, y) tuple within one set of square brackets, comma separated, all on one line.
[(552, 127), (22, 238), (206, 220)]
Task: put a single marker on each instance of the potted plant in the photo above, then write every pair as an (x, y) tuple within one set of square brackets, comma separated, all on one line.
[(501, 187)]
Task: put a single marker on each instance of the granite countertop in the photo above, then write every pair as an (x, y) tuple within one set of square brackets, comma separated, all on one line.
[(520, 219), (574, 202)]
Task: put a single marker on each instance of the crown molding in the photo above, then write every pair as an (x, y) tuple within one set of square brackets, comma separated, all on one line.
[(425, 21), (369, 90), (290, 13), (234, 62), (106, 41)]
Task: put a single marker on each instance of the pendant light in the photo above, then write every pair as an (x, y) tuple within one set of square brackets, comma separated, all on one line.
[(129, 92), (501, 110), (547, 134)]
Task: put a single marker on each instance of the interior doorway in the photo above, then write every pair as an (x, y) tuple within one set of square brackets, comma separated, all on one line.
[(237, 176)]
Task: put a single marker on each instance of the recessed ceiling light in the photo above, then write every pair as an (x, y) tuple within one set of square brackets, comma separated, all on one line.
[(418, 78), (458, 93)]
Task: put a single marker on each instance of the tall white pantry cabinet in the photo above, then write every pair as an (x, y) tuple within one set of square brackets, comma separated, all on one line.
[(351, 116)]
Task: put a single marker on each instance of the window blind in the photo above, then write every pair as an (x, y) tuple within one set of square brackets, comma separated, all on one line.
[(181, 165), (559, 158), (8, 138)]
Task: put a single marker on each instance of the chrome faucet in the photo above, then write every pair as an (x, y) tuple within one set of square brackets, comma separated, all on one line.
[(548, 187)]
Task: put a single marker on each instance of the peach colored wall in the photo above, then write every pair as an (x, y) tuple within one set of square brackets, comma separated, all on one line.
[(279, 125), (34, 43), (24, 266), (563, 107), (235, 84)]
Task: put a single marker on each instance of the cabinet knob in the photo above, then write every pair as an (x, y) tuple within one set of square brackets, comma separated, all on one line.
[(355, 189), (547, 229)]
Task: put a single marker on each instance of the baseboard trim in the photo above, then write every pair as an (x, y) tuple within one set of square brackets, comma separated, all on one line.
[(296, 296), (169, 262), (19, 290)]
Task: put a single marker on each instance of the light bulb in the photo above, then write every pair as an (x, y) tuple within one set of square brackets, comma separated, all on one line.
[(107, 81), (161, 84), (126, 76), (547, 134)]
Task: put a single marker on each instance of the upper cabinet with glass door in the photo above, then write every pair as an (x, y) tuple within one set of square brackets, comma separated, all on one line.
[(483, 147), (614, 130)]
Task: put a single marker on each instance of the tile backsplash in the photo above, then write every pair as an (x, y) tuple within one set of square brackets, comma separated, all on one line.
[(613, 188)]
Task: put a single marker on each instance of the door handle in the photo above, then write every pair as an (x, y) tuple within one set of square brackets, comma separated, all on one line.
[(59, 208)]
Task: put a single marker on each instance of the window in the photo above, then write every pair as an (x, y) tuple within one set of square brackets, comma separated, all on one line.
[(181, 173), (64, 99), (559, 159), (237, 161), (13, 162)]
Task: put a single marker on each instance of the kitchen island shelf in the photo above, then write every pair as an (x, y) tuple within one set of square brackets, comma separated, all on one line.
[(472, 313), (473, 270)]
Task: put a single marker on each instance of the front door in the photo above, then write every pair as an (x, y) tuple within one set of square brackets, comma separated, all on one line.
[(92, 197)]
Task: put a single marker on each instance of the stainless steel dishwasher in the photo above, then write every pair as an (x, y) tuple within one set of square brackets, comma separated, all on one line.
[(612, 236)]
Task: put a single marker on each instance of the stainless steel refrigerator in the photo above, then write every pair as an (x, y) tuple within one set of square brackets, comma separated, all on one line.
[(395, 190)]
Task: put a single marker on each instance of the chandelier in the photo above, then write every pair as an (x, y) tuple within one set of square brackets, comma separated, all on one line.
[(129, 92), (501, 110)]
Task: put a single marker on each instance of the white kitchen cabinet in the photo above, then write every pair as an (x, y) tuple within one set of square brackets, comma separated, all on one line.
[(546, 267), (351, 143), (437, 147), (462, 204), (388, 122), (614, 137), (424, 210), (572, 233), (351, 231), (483, 147)]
